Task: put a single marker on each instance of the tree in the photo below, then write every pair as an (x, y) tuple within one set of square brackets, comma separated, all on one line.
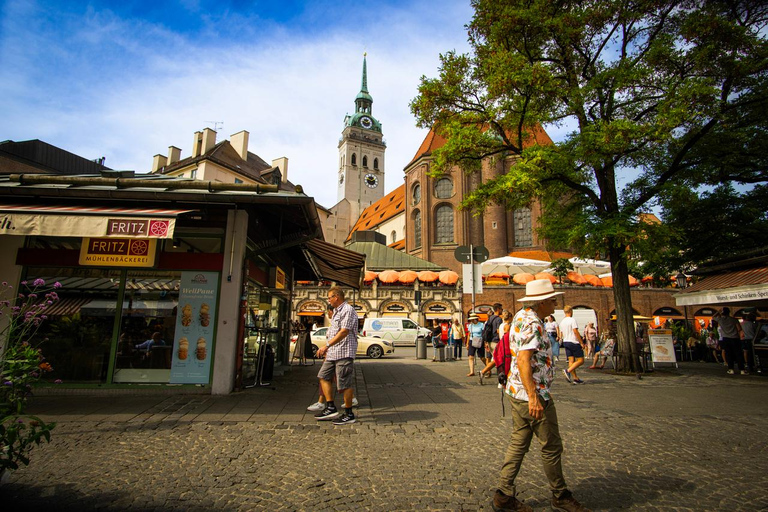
[(645, 87)]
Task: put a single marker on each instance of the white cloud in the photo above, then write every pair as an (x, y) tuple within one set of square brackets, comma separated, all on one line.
[(98, 85)]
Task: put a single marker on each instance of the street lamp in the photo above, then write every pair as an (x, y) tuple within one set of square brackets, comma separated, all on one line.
[(682, 283), (682, 280)]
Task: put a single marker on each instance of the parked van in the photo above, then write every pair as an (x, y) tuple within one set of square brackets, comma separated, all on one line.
[(582, 317), (401, 331)]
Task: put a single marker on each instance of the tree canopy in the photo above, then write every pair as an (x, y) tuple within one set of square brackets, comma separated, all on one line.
[(652, 94)]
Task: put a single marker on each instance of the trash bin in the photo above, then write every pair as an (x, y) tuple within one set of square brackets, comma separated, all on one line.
[(421, 347)]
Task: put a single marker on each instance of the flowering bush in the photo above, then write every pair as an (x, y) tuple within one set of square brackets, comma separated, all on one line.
[(21, 364)]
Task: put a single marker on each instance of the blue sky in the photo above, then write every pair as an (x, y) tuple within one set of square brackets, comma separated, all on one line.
[(125, 80)]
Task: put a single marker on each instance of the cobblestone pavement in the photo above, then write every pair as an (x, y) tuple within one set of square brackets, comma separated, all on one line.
[(427, 438)]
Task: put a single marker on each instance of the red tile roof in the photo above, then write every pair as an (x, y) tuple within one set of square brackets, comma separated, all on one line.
[(541, 255), (380, 211), (434, 140), (399, 245), (731, 279)]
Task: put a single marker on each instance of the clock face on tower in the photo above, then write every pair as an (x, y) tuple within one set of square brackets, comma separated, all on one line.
[(366, 122), (371, 181)]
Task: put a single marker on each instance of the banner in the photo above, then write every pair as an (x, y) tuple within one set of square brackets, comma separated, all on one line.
[(118, 252), (195, 321), (42, 224), (662, 347)]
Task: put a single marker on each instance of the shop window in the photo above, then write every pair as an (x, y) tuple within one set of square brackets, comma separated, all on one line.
[(444, 224), (443, 188)]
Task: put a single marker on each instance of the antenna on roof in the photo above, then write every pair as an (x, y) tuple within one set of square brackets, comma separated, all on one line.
[(216, 125)]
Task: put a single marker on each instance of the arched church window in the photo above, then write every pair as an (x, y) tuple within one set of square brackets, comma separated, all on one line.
[(444, 224), (376, 163), (394, 236), (365, 161), (443, 188), (416, 194), (417, 229), (354, 159)]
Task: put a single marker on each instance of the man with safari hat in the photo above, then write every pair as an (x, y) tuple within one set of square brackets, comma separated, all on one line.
[(533, 410)]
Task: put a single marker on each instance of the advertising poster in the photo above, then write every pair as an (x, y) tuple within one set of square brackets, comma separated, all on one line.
[(195, 319), (662, 348)]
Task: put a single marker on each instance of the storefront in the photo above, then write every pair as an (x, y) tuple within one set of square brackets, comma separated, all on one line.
[(160, 285)]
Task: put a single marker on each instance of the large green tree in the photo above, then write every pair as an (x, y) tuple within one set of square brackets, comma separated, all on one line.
[(645, 89)]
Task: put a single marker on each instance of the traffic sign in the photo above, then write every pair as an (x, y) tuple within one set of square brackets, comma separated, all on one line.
[(481, 254), (462, 254)]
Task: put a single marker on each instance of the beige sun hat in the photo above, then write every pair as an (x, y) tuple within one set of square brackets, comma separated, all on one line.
[(538, 290), (473, 317)]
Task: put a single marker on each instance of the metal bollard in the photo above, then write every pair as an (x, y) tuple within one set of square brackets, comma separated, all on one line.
[(421, 347)]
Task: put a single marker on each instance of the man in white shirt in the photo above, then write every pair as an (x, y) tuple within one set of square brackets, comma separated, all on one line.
[(574, 345)]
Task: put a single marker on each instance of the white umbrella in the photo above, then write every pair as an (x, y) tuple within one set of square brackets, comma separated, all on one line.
[(512, 265), (590, 266)]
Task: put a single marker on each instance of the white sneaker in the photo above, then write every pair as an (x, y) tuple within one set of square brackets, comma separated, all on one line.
[(316, 407), (729, 372)]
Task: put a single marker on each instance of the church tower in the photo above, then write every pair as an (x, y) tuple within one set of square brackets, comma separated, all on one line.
[(360, 178)]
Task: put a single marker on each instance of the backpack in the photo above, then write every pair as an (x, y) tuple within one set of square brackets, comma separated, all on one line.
[(502, 356)]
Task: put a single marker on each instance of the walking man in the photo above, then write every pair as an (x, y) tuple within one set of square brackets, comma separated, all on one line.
[(339, 359), (574, 345), (491, 339), (731, 339), (533, 409)]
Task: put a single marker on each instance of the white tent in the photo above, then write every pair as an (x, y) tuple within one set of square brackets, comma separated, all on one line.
[(512, 265)]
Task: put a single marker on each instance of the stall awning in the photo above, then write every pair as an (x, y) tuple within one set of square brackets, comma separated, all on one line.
[(333, 263), (83, 221), (438, 316), (739, 286), (310, 313)]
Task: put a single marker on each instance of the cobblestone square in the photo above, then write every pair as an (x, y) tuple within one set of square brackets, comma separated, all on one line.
[(427, 438)]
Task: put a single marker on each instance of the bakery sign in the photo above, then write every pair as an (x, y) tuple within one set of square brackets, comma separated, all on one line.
[(662, 347), (394, 307), (118, 252)]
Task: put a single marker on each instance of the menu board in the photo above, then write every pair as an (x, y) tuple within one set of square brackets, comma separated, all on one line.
[(195, 319), (662, 348)]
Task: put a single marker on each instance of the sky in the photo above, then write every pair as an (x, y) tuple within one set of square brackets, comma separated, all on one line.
[(125, 80)]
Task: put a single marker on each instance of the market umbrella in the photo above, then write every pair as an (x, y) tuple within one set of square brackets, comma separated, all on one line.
[(369, 276), (427, 276), (546, 275), (389, 276), (607, 281), (523, 278), (511, 265), (589, 266), (633, 281), (502, 275), (593, 280), (448, 277), (407, 276), (576, 278)]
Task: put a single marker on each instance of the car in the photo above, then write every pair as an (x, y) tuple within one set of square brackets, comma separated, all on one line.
[(366, 345)]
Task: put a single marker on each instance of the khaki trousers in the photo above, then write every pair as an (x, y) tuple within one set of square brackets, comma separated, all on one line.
[(548, 434)]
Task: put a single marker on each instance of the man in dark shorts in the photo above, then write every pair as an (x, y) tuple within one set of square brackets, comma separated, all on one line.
[(574, 345), (475, 337), (339, 359)]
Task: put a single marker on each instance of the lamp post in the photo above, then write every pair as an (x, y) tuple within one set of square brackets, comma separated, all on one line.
[(682, 283)]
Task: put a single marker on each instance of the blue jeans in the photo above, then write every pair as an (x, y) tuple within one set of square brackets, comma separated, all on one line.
[(555, 345)]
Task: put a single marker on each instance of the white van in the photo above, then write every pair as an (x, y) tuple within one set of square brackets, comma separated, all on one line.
[(582, 317), (400, 330)]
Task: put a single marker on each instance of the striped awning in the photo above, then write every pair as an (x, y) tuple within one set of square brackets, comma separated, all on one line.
[(87, 221), (67, 306)]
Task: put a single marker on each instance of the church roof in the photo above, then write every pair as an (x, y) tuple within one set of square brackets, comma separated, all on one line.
[(380, 257), (380, 211), (434, 140), (541, 255)]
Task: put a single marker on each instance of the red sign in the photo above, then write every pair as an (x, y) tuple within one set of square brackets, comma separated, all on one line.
[(149, 228)]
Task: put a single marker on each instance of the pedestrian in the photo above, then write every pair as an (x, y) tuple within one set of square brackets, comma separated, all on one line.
[(731, 339), (574, 345), (749, 327), (437, 333), (491, 339), (339, 354), (457, 331), (474, 344), (605, 347), (590, 336), (553, 331), (533, 410)]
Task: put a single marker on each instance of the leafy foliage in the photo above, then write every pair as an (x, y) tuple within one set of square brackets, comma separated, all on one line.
[(654, 93), (21, 365)]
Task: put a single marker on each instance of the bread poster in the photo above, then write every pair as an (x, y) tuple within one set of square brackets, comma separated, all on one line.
[(662, 346), (195, 321)]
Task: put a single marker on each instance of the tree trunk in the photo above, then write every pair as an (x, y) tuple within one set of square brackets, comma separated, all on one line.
[(625, 325)]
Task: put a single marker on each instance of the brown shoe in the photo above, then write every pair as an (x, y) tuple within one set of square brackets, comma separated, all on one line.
[(567, 503), (503, 503)]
